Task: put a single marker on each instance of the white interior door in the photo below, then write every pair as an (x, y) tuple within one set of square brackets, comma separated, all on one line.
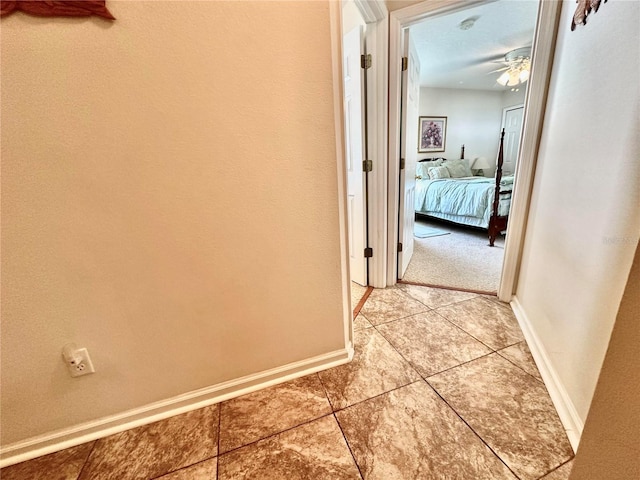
[(353, 114), (408, 151), (512, 124)]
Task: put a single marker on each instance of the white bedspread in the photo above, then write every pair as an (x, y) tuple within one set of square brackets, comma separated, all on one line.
[(464, 197)]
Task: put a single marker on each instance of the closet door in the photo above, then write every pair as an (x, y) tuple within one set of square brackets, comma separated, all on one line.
[(512, 124), (353, 115)]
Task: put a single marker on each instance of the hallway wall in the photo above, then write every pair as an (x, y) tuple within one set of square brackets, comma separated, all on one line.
[(609, 446), (584, 221), (169, 201)]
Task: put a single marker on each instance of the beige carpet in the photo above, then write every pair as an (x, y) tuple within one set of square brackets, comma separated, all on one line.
[(462, 259)]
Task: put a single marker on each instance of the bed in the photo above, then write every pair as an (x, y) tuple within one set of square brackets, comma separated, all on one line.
[(448, 190)]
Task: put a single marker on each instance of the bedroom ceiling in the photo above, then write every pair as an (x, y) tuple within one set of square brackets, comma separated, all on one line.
[(454, 57)]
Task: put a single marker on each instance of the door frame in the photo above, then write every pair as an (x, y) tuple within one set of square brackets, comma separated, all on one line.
[(535, 103)]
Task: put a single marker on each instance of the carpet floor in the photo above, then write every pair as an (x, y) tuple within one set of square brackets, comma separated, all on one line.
[(461, 260)]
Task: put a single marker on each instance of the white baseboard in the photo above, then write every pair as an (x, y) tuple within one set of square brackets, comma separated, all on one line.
[(567, 412), (86, 432)]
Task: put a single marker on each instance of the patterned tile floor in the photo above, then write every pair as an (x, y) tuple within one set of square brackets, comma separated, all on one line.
[(442, 386)]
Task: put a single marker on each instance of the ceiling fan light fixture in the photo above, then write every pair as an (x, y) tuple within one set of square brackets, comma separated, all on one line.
[(503, 79), (518, 67), (514, 78)]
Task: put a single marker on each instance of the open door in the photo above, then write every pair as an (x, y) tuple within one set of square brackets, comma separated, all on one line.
[(354, 141), (512, 124), (408, 152)]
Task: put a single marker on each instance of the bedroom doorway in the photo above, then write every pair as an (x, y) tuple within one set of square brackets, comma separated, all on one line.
[(479, 135)]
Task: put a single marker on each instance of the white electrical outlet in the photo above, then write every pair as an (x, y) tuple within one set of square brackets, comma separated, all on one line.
[(77, 360)]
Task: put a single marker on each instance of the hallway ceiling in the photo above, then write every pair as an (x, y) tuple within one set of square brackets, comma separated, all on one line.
[(452, 57)]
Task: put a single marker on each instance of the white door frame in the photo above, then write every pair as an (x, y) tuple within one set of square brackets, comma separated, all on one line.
[(535, 103), (375, 14), (335, 18)]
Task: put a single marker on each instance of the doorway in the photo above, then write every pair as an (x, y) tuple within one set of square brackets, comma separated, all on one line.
[(402, 218)]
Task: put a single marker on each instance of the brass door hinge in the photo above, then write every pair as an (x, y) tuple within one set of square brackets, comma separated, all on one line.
[(365, 61), (368, 252), (405, 63), (367, 165)]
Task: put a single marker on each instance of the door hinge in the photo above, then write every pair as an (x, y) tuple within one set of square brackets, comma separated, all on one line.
[(367, 165), (368, 252), (405, 63), (399, 247), (402, 164), (365, 61)]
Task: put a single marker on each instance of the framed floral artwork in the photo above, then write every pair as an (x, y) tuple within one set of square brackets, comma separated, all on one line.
[(432, 134)]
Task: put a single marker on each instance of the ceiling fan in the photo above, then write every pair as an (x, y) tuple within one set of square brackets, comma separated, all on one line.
[(517, 67)]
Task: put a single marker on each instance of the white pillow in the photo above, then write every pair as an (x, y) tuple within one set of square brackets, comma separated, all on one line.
[(438, 172), (458, 168), (422, 168)]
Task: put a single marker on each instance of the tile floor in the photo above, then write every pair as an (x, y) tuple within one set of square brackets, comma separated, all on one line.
[(442, 386)]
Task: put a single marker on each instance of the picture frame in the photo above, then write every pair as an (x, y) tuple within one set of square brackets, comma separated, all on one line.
[(432, 134)]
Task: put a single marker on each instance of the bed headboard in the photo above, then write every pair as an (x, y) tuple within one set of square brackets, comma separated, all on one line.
[(442, 158)]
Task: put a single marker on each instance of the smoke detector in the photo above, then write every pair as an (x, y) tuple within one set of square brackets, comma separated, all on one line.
[(468, 23)]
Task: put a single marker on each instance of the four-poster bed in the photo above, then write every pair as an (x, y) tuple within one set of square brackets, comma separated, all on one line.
[(448, 190)]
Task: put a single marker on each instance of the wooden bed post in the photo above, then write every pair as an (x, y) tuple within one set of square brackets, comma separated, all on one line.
[(497, 223)]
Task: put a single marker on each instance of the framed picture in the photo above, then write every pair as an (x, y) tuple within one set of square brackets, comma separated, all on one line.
[(432, 134)]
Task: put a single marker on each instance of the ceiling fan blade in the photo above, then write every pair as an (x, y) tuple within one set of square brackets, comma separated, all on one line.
[(498, 58)]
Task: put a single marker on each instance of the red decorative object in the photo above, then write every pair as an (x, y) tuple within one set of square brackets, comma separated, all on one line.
[(585, 7), (49, 8)]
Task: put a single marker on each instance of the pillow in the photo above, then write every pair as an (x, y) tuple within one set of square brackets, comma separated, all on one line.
[(438, 172), (422, 168), (458, 168), (434, 162)]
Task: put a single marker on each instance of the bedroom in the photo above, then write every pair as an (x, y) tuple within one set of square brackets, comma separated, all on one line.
[(463, 59)]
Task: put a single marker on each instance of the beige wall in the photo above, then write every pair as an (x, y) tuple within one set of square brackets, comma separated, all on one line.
[(584, 220), (609, 447), (169, 200), (509, 98), (473, 120)]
